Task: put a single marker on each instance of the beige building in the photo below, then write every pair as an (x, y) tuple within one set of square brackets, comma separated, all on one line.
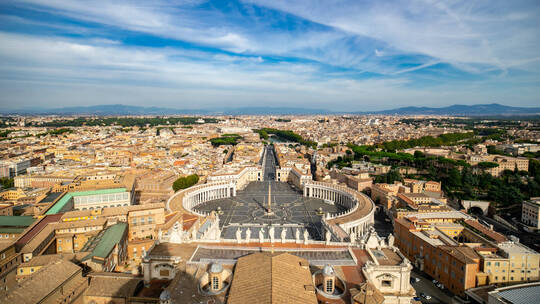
[(530, 212), (507, 163), (385, 194), (142, 223), (71, 236), (523, 261), (57, 282)]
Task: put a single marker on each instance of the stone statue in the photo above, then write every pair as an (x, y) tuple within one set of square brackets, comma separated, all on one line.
[(248, 235), (261, 235), (283, 234), (217, 220), (306, 235), (238, 235), (391, 240), (271, 232), (353, 237), (328, 236), (297, 235)]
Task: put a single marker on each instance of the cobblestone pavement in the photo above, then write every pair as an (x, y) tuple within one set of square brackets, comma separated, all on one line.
[(289, 207)]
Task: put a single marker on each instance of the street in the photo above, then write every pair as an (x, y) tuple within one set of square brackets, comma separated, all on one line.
[(426, 286), (383, 227)]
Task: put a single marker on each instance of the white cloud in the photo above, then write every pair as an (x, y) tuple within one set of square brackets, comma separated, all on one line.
[(462, 32)]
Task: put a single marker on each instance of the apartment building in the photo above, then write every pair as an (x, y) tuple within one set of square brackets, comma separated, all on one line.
[(507, 163), (530, 212), (107, 249), (386, 194), (72, 236), (463, 255), (143, 222)]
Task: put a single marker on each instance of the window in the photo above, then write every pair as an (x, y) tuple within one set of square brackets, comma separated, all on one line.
[(386, 283), (150, 220), (31, 269), (134, 221), (215, 283), (21, 271), (329, 285)]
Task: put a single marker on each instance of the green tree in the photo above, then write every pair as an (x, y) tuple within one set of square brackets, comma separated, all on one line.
[(185, 182)]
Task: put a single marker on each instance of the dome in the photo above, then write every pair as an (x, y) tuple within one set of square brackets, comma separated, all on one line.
[(216, 268), (328, 270), (165, 295)]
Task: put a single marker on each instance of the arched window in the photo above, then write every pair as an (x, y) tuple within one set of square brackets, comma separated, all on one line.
[(329, 286), (215, 283)]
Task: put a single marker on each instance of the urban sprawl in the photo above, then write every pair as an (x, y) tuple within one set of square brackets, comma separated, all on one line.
[(268, 209)]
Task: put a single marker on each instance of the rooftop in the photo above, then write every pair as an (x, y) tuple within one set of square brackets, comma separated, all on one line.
[(16, 221), (518, 294), (42, 283), (108, 284), (272, 278), (59, 205), (102, 244)]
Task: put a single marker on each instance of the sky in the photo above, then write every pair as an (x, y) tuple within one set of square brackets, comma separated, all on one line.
[(342, 55)]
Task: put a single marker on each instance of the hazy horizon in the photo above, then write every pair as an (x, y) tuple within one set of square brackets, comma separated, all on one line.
[(330, 55)]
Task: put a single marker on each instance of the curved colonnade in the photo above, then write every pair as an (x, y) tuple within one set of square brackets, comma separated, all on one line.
[(186, 199), (360, 213), (356, 220)]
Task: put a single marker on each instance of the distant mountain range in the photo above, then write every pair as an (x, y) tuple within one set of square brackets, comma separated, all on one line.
[(462, 110), (493, 109)]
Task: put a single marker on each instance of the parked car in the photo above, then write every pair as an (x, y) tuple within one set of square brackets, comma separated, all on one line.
[(435, 282), (425, 296), (417, 299)]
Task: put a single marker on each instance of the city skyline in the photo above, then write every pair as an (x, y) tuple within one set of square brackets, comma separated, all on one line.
[(358, 56)]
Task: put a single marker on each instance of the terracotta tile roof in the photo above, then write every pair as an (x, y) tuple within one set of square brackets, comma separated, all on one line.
[(37, 286), (272, 278), (37, 227), (353, 275), (112, 285), (367, 294), (497, 237), (464, 254), (81, 223)]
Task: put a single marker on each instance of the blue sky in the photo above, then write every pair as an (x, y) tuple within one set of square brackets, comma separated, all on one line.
[(338, 55)]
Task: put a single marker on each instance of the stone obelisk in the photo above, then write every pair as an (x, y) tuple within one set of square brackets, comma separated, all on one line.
[(269, 209)]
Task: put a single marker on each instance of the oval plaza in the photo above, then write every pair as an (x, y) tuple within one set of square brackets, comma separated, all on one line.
[(271, 219)]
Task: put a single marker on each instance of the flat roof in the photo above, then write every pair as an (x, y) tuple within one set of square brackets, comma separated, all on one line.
[(102, 244), (65, 199), (521, 294), (16, 221), (51, 197)]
